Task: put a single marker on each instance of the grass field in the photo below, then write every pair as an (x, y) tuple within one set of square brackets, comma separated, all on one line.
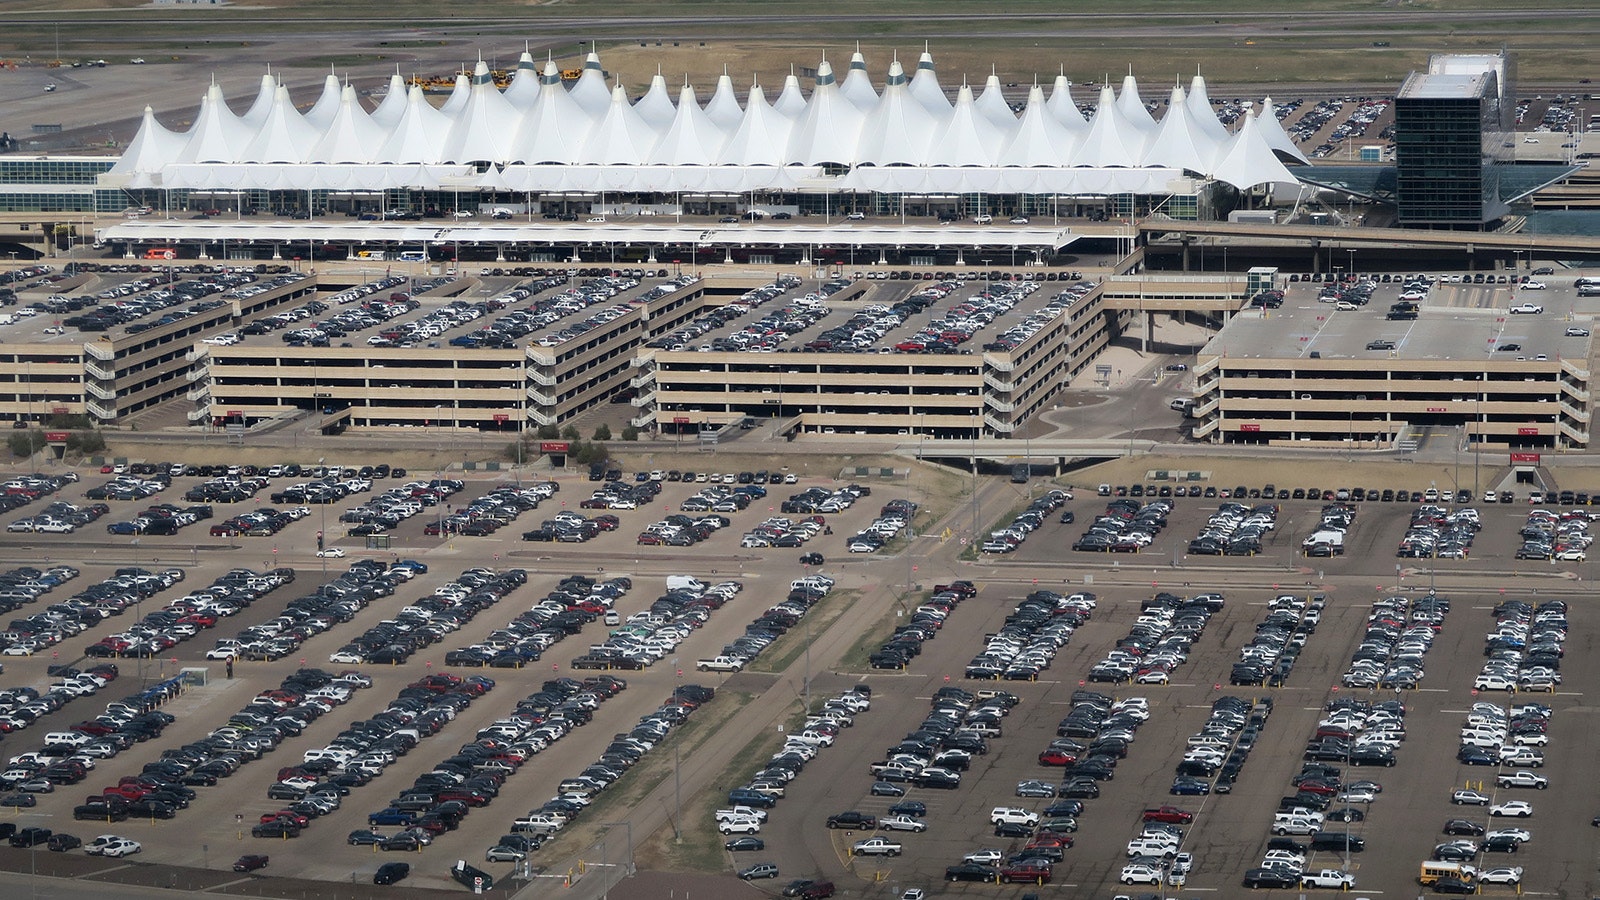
[(1242, 42)]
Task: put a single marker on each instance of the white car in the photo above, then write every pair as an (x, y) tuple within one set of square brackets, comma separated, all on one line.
[(1469, 798), (740, 826), (1531, 739), (120, 847), (1502, 875), (1533, 285), (346, 657), (332, 553), (986, 856), (1575, 554), (1140, 873), (1520, 835), (1493, 683), (1154, 676), (1526, 309), (1346, 306), (1516, 809)]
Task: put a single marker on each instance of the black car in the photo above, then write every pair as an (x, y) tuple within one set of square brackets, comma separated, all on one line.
[(1270, 878), (1012, 830), (364, 838), (1463, 827), (745, 843), (30, 836), (972, 872), (1454, 886), (61, 842), (391, 873)]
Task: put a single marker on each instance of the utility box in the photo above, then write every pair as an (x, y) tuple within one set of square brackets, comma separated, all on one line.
[(195, 676)]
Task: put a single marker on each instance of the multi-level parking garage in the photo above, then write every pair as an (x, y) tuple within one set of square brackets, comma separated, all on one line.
[(1364, 375)]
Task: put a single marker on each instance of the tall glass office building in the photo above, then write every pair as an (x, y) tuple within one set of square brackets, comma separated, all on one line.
[(1452, 125)]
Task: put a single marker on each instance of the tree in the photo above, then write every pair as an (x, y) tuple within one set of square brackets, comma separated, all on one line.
[(602, 432), (630, 433), (549, 432), (86, 442), (27, 443), (570, 433)]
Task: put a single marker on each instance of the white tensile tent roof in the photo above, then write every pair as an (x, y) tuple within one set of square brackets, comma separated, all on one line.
[(1272, 130), (791, 100), (621, 138), (352, 137), (555, 128), (692, 139), (1040, 140), (655, 107), (925, 87), (831, 126), (762, 136), (898, 130), (394, 103), (285, 136), (1248, 161), (1106, 144), (483, 129), (590, 91), (419, 135), (458, 97), (523, 91), (265, 95), (1063, 107), (857, 86), (1179, 144), (537, 137), (723, 108), (327, 105)]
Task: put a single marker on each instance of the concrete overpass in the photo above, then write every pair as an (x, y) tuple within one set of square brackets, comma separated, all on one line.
[(1327, 237)]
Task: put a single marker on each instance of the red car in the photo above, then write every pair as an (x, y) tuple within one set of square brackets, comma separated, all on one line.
[(1056, 758), (1036, 872), (287, 815), (249, 863), (1170, 814)]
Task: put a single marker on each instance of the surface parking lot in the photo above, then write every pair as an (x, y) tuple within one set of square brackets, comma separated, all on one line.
[(1229, 831)]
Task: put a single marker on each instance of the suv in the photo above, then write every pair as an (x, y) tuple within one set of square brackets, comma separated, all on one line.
[(852, 819), (816, 890)]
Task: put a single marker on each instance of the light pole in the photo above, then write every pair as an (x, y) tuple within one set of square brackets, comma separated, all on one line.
[(1352, 269)]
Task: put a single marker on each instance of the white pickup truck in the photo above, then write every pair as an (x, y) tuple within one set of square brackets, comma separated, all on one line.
[(1328, 878), (875, 847), (720, 664), (741, 812)]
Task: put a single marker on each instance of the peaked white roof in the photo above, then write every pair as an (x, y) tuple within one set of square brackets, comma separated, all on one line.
[(1272, 129), (590, 89), (217, 134), (857, 86), (265, 95), (925, 87), (1137, 121), (152, 147), (523, 91), (692, 139), (898, 130), (1064, 108), (1040, 140), (1201, 113), (1105, 143), (1248, 161), (457, 101), (393, 105), (419, 135), (284, 137), (656, 106), (992, 105), (831, 126), (762, 136), (327, 105), (352, 138), (620, 138), (791, 101), (1178, 143), (723, 107), (483, 130), (555, 128), (967, 139)]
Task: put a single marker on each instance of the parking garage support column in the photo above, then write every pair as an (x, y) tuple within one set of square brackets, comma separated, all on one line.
[(1185, 240), (1472, 259), (1316, 261), (499, 253)]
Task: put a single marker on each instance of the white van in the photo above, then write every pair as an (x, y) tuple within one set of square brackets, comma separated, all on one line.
[(1182, 404), (685, 583)]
